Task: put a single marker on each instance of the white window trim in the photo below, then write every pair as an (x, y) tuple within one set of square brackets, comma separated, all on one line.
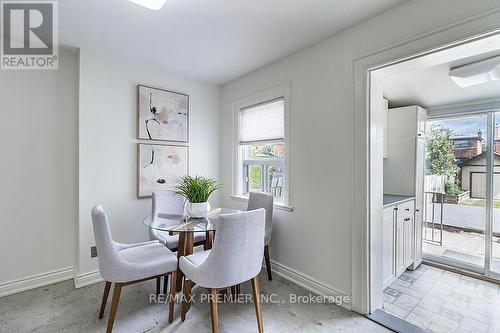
[(281, 91), (277, 205)]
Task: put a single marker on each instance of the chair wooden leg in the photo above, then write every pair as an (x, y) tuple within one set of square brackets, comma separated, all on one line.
[(165, 284), (268, 262), (104, 299), (171, 297), (213, 310), (185, 302), (114, 305), (158, 283), (256, 301)]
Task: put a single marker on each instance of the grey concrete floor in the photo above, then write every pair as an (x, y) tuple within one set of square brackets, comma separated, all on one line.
[(62, 308)]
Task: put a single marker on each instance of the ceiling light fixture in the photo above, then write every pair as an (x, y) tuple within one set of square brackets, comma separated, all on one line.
[(150, 4), (475, 73)]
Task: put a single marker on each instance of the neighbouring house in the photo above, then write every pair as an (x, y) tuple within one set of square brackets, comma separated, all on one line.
[(497, 139), (473, 176), (466, 147)]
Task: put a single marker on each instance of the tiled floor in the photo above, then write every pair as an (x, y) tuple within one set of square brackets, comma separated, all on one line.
[(442, 301)]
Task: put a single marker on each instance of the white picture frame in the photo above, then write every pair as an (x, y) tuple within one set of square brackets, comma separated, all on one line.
[(159, 167), (163, 115)]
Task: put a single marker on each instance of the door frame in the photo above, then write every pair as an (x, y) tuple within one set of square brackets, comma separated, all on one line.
[(365, 296)]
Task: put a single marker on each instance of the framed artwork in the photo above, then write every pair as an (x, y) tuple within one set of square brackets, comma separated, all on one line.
[(159, 167), (162, 115)]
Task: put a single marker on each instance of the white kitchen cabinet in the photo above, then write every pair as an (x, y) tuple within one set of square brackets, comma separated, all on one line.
[(421, 121), (400, 246), (417, 256), (407, 213), (388, 247), (399, 240), (404, 126), (404, 165)]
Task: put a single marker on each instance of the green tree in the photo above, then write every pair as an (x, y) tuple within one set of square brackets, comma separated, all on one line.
[(440, 157)]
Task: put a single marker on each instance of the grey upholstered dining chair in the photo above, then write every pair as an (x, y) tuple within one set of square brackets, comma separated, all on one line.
[(236, 257), (126, 264), (168, 203), (258, 200)]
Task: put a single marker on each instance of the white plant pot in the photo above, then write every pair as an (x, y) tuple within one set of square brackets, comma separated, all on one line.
[(198, 210)]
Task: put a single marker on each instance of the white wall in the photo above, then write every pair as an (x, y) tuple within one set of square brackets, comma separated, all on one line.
[(322, 127), (107, 143), (38, 141)]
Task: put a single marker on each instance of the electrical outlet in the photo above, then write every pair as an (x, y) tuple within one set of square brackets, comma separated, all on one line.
[(93, 252)]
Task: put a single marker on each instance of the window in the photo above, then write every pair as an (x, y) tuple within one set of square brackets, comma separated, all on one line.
[(261, 144), (461, 143)]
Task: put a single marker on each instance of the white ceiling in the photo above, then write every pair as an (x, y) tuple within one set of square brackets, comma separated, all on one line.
[(425, 81), (210, 40)]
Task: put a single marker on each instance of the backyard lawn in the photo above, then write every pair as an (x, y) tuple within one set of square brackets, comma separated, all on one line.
[(480, 203)]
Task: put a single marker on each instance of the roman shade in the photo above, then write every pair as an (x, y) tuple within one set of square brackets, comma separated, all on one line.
[(262, 122)]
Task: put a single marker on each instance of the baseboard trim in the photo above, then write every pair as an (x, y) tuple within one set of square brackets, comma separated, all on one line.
[(308, 283), (36, 281), (83, 280)]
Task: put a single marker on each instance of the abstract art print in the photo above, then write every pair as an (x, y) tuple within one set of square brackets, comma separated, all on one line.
[(163, 115), (159, 167)]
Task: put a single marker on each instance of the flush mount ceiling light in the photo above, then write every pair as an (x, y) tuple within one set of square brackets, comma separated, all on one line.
[(150, 4), (475, 73)]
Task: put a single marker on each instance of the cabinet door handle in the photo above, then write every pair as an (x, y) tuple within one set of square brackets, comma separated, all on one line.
[(417, 210), (407, 209), (407, 219)]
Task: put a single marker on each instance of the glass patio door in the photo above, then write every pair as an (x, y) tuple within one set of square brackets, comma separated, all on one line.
[(456, 210), (493, 233), (462, 207)]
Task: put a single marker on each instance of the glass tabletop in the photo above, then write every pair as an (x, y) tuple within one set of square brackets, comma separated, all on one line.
[(177, 223)]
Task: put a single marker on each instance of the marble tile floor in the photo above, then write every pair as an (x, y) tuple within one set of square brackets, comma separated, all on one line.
[(442, 301), (62, 308)]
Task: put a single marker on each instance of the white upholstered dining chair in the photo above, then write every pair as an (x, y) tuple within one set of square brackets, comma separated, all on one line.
[(126, 264), (168, 203), (236, 257), (258, 200)]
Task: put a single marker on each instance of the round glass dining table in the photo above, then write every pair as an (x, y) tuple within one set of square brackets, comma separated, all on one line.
[(185, 227)]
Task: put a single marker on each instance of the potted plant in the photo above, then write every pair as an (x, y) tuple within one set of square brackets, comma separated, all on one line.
[(196, 190)]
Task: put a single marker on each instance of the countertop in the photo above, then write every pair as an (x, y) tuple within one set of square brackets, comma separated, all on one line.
[(392, 200)]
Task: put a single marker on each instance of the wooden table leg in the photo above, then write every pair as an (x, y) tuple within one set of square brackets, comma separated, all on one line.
[(180, 252), (208, 240), (188, 246)]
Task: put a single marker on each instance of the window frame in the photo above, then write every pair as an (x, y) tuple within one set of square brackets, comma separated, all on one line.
[(279, 92), (459, 143)]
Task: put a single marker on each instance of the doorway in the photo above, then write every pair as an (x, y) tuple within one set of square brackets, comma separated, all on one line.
[(483, 182)]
